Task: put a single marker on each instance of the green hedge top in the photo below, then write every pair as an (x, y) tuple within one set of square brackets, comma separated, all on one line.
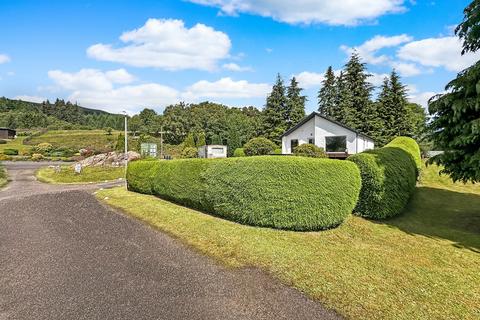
[(411, 147), (281, 192), (389, 177)]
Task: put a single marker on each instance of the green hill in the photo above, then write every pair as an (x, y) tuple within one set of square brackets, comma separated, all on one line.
[(56, 116)]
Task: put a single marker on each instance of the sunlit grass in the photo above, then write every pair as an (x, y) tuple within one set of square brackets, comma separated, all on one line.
[(88, 174), (16, 144), (77, 139), (423, 264)]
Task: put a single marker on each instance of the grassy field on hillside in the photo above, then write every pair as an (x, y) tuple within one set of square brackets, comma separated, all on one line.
[(88, 174), (77, 139), (423, 264), (16, 144)]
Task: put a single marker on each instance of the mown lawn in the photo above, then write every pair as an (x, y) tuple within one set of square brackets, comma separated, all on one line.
[(16, 144), (89, 174), (423, 264), (77, 139)]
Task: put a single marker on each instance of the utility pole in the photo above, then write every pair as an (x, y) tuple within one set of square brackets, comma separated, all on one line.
[(126, 149), (161, 142)]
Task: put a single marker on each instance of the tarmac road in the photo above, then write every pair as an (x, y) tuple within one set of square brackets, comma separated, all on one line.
[(63, 255)]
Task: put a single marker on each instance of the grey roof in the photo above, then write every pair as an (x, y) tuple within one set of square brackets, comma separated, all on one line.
[(1, 128), (318, 114)]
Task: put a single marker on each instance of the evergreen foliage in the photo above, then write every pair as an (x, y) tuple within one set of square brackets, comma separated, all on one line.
[(259, 146), (455, 124), (327, 95), (295, 110), (274, 124)]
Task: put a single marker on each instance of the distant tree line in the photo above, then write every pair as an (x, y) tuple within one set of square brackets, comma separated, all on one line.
[(57, 115)]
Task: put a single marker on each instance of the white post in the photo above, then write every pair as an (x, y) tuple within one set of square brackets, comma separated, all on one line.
[(126, 149)]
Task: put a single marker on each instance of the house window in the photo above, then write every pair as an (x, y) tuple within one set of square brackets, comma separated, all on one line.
[(336, 144), (293, 144), (311, 141)]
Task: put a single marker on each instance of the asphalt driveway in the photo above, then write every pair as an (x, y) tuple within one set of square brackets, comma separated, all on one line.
[(63, 255)]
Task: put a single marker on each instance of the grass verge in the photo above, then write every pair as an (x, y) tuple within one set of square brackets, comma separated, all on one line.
[(88, 174), (3, 176), (421, 265)]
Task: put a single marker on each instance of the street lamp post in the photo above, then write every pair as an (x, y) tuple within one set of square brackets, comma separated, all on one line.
[(126, 149)]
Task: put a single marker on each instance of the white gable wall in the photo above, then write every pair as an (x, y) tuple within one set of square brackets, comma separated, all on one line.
[(303, 133), (319, 128)]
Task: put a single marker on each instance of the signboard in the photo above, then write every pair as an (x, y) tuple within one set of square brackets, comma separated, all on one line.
[(78, 168), (148, 150)]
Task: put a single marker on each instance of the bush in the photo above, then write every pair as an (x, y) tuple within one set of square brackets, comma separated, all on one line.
[(3, 141), (309, 150), (280, 192), (37, 157), (180, 181), (239, 152), (189, 152), (258, 147), (10, 152), (389, 177), (277, 151), (42, 148), (4, 157), (410, 146)]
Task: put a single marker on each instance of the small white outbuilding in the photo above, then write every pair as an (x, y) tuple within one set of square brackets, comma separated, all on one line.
[(212, 151), (338, 140)]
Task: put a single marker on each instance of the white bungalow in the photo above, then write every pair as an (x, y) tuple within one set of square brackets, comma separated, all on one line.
[(338, 140)]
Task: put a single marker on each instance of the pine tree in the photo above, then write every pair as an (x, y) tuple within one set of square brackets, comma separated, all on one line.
[(274, 123), (392, 109), (295, 110), (342, 112), (359, 115), (327, 95)]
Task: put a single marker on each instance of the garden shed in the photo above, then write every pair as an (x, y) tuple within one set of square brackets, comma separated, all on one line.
[(6, 133), (212, 151)]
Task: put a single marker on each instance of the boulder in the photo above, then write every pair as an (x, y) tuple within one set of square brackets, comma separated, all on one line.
[(113, 159)]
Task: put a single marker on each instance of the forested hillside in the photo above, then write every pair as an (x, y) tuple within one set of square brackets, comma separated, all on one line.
[(57, 115)]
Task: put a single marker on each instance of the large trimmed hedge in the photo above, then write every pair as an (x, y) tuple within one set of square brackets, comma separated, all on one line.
[(281, 192), (389, 175)]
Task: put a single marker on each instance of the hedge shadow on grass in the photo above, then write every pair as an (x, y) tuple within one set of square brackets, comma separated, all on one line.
[(440, 213)]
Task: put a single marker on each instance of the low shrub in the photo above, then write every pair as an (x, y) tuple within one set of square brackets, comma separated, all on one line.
[(42, 148), (189, 152), (37, 157), (4, 157), (389, 177), (10, 152), (309, 150), (259, 146), (239, 152), (3, 141), (277, 151), (280, 192)]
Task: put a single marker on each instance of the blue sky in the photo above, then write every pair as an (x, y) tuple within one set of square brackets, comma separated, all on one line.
[(126, 55)]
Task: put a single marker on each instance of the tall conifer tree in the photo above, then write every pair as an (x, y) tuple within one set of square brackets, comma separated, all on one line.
[(295, 110), (327, 95), (274, 124)]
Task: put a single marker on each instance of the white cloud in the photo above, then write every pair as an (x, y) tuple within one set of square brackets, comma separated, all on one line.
[(406, 69), (377, 78), (90, 79), (226, 88), (4, 58), (421, 97), (167, 44), (95, 88), (114, 91), (346, 12), (235, 67), (308, 79), (369, 48), (36, 99), (438, 52)]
